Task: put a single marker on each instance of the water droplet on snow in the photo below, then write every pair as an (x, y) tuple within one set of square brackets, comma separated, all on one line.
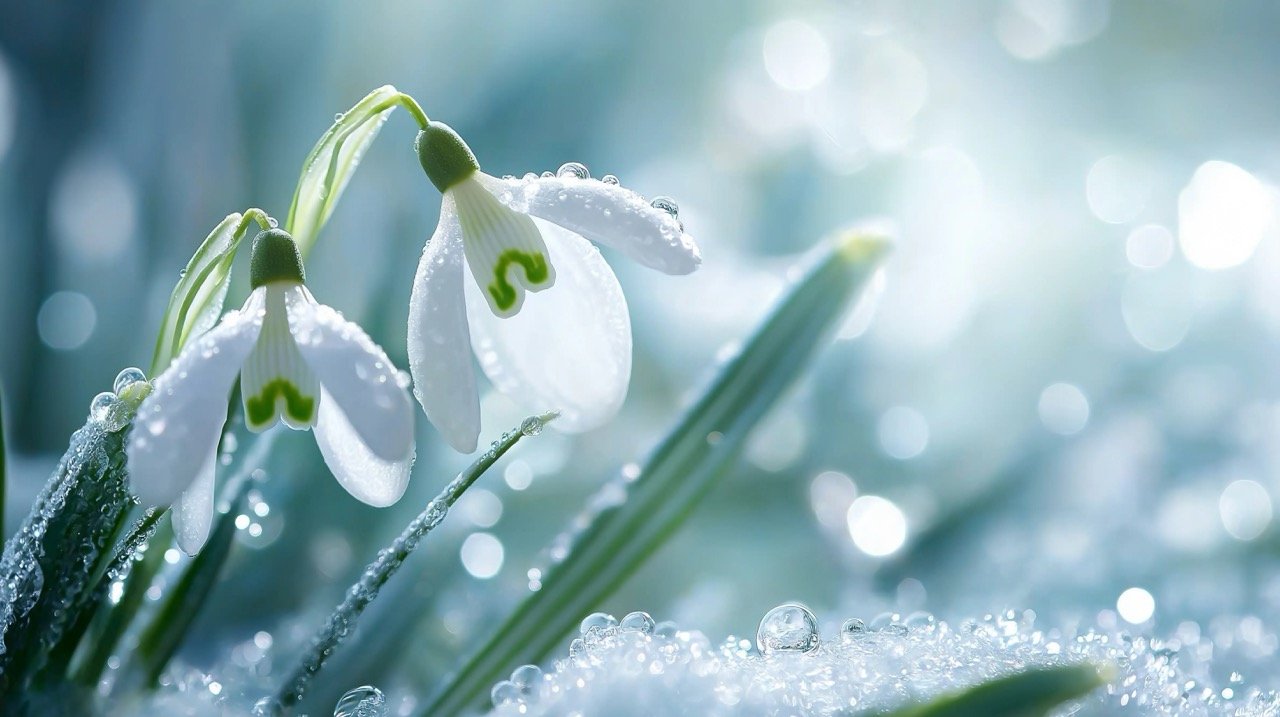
[(573, 170), (610, 179), (638, 620), (787, 628), (364, 701), (127, 378), (597, 621), (853, 628), (666, 204), (548, 175), (505, 693)]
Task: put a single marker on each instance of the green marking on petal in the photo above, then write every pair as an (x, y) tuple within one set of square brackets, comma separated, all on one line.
[(260, 410), (536, 272)]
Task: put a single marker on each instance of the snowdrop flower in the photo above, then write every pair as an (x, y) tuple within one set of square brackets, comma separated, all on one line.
[(543, 312), (299, 362)]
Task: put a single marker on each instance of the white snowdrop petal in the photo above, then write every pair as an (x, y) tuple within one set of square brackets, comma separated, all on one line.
[(180, 422), (608, 214), (366, 476), (192, 513), (569, 348), (355, 373), (444, 380)]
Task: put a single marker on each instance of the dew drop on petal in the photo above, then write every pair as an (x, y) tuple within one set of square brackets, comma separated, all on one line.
[(787, 628)]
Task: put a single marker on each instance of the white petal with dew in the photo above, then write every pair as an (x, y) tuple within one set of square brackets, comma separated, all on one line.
[(503, 247), (607, 214), (192, 513), (444, 380), (569, 349), (367, 477), (274, 367), (356, 373), (181, 421)]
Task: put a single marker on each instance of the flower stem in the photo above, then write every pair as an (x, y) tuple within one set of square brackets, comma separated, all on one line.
[(389, 560)]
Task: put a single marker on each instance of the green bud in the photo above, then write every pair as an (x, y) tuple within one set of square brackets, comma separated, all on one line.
[(275, 258), (445, 158)]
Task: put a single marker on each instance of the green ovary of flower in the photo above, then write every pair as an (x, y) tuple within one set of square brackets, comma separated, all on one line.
[(535, 272), (261, 409)]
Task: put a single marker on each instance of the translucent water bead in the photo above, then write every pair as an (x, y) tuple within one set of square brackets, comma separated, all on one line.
[(127, 378), (640, 621), (666, 204), (364, 701), (596, 622), (573, 170), (610, 179), (107, 409), (787, 628)]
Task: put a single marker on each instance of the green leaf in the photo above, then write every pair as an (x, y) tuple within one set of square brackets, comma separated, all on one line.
[(683, 467), (1027, 694), (333, 160), (51, 557), (389, 560), (182, 603), (197, 299)]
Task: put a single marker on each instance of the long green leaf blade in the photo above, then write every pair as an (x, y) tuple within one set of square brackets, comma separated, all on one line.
[(1032, 693), (182, 604), (684, 466), (388, 562), (333, 161)]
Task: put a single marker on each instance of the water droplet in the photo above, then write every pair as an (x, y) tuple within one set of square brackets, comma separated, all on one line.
[(573, 170), (548, 175), (888, 622), (610, 179), (508, 176), (364, 701), (637, 621), (597, 621), (529, 175), (101, 406), (853, 628), (273, 222), (787, 628), (666, 204), (666, 628), (338, 117), (127, 378), (505, 693), (531, 426)]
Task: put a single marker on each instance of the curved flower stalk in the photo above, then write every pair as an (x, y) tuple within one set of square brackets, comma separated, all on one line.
[(568, 348), (299, 362)]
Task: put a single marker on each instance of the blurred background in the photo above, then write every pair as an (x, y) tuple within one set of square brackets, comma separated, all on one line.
[(1060, 395)]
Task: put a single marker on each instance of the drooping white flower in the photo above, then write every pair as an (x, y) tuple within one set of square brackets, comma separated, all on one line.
[(543, 312), (299, 362)]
